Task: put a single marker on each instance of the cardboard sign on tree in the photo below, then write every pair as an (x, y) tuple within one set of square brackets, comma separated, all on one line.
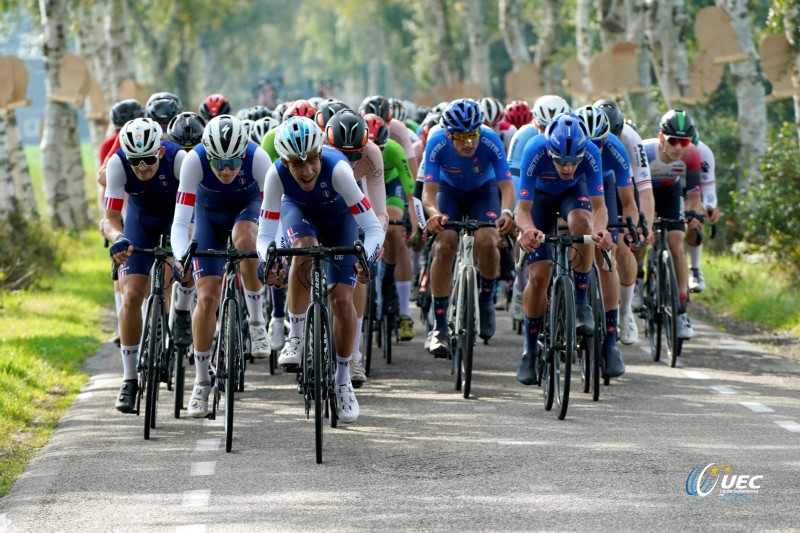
[(573, 79), (131, 89), (6, 82), (96, 106), (524, 82), (73, 81), (19, 97), (713, 29), (776, 62)]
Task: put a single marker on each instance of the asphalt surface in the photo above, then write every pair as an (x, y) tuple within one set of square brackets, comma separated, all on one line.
[(421, 458)]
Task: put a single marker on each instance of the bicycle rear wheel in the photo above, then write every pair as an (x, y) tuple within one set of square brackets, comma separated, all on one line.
[(386, 336), (150, 341), (467, 333), (179, 375), (563, 342), (368, 326), (670, 306), (232, 348), (651, 306)]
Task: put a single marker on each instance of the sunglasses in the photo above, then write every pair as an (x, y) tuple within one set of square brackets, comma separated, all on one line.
[(219, 164), (678, 141), (147, 160), (467, 136), (563, 161), (353, 156)]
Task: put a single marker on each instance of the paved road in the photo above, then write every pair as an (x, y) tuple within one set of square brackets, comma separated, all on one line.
[(422, 458)]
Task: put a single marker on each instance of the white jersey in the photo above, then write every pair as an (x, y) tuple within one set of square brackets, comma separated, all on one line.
[(640, 168), (708, 183)]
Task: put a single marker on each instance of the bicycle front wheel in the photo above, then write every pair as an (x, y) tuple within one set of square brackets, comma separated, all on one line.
[(317, 316), (368, 325), (563, 342), (652, 307), (670, 306), (232, 350), (179, 375), (150, 341), (468, 326)]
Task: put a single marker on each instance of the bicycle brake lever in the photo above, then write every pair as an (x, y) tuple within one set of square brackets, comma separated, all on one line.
[(606, 260)]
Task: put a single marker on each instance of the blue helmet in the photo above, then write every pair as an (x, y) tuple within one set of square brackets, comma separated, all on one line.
[(462, 115), (297, 138), (567, 138)]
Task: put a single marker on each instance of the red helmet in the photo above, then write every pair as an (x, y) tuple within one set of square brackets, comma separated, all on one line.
[(214, 105), (519, 113), (378, 130), (300, 108)]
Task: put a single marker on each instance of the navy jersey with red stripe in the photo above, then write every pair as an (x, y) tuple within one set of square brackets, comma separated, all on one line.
[(244, 185), (155, 196), (323, 197)]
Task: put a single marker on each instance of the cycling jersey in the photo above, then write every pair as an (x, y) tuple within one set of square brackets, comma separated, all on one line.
[(640, 168), (686, 169), (369, 171), (616, 175), (399, 181), (539, 172), (517, 147), (708, 185), (268, 145), (506, 131), (443, 164), (399, 133)]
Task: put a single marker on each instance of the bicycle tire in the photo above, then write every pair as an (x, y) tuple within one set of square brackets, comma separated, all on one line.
[(468, 331), (232, 347), (545, 367), (179, 375), (368, 327), (386, 336), (670, 305), (564, 341), (329, 364), (317, 348), (652, 308), (151, 379)]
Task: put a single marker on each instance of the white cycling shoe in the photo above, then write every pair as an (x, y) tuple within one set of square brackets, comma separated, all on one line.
[(346, 403)]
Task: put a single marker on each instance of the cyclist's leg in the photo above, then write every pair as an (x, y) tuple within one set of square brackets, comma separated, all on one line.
[(357, 373), (440, 277), (130, 329), (577, 209), (672, 207), (244, 235), (609, 281), (485, 206)]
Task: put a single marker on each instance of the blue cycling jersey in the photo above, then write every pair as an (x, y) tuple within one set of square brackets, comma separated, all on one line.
[(540, 172), (616, 163), (518, 144), (443, 164)]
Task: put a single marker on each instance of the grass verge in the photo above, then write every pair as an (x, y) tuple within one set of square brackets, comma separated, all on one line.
[(46, 334), (757, 293)]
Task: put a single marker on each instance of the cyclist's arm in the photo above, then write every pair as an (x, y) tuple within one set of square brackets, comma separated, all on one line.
[(708, 182), (432, 169), (190, 177), (345, 184), (268, 145), (261, 164), (400, 162), (372, 163), (269, 216), (114, 197)]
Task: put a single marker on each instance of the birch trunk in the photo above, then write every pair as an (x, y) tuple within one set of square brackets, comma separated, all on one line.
[(612, 22), (72, 166), (547, 28), (512, 32), (119, 60), (750, 95), (7, 189), (478, 40), (20, 173), (644, 109), (583, 46), (437, 10), (667, 26), (90, 47), (791, 12)]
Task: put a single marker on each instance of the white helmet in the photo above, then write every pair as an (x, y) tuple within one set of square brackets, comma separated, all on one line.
[(492, 110), (140, 137), (547, 107), (261, 127), (596, 122), (298, 137), (225, 137)]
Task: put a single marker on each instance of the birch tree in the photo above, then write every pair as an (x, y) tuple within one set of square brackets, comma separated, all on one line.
[(547, 28), (436, 11), (613, 20), (510, 27), (667, 24), (22, 199), (787, 13), (750, 94), (91, 46), (641, 103), (583, 42), (119, 60), (478, 40)]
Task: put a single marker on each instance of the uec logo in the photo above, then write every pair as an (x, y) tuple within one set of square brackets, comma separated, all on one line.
[(702, 480)]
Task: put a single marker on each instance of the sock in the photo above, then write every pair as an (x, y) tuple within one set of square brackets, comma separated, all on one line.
[(440, 311), (694, 255), (278, 302), (342, 371), (388, 273), (357, 340), (297, 324), (255, 309), (201, 360), (683, 298), (130, 358), (404, 294), (625, 299), (612, 316), (184, 300), (532, 328), (118, 301), (582, 287), (486, 287)]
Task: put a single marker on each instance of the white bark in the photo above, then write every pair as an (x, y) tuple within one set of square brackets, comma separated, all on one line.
[(7, 191), (547, 27), (437, 11), (478, 40), (583, 43), (791, 14), (612, 17), (20, 173), (120, 51), (667, 26), (644, 108), (91, 49), (750, 94), (511, 29)]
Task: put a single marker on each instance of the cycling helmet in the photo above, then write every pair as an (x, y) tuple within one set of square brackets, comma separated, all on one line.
[(225, 137), (492, 110), (261, 127), (616, 120), (462, 115), (243, 113), (440, 107), (420, 113), (519, 113), (165, 95), (547, 107), (214, 105), (280, 109), (376, 105), (695, 138), (186, 129), (378, 130), (429, 122), (125, 110), (677, 123), (140, 137), (315, 101), (596, 122), (258, 112), (326, 110), (347, 131), (163, 109), (248, 125), (300, 108), (398, 109), (298, 137), (566, 138)]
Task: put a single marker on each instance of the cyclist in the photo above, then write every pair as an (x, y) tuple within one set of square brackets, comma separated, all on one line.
[(519, 113), (561, 173), (311, 190), (186, 129), (221, 183), (162, 107), (214, 105), (465, 165), (147, 169), (398, 132), (347, 132), (708, 192), (494, 117), (673, 162)]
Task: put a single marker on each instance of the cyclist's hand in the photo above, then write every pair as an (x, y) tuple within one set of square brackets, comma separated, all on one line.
[(275, 277), (530, 239), (361, 276), (603, 239), (415, 231), (434, 224), (419, 244), (505, 224), (177, 271), (121, 250), (713, 214), (695, 223)]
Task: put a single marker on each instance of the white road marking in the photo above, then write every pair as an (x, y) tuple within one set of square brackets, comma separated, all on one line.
[(722, 389), (694, 374), (207, 445), (645, 348), (203, 468), (196, 498), (82, 397), (758, 407), (4, 522), (789, 425), (193, 528), (217, 422)]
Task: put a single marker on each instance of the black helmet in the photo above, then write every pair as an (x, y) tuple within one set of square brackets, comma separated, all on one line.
[(167, 95), (326, 110), (186, 129), (125, 110), (258, 112), (376, 105), (347, 131), (616, 120), (677, 123), (163, 109), (420, 113)]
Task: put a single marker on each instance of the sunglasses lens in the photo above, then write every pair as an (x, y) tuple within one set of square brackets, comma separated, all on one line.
[(149, 160), (678, 141), (468, 136), (220, 164)]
